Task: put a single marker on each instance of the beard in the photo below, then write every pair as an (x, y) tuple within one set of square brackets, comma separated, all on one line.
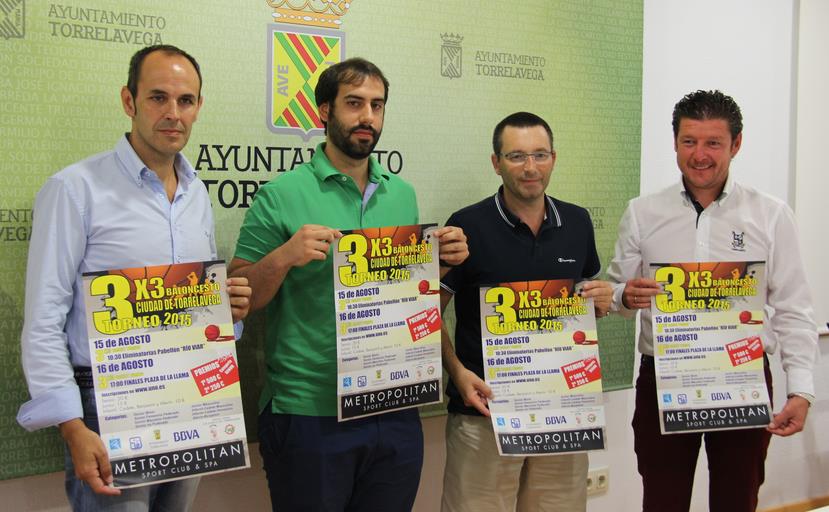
[(340, 136)]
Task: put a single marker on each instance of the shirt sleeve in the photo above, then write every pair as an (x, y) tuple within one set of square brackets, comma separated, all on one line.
[(211, 228), (627, 260), (261, 232), (793, 321), (55, 253)]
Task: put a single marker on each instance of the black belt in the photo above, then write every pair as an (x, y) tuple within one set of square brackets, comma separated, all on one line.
[(83, 376)]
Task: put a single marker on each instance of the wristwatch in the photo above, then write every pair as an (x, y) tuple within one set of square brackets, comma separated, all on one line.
[(806, 396)]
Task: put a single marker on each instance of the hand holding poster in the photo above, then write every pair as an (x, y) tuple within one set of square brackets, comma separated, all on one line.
[(708, 350), (387, 302), (165, 372), (541, 360)]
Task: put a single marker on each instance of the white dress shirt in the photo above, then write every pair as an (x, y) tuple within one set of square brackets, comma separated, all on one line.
[(743, 224)]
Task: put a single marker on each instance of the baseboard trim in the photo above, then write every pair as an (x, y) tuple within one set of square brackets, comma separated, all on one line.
[(801, 506)]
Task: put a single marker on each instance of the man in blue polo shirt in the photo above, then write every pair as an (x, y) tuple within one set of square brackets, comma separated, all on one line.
[(518, 234)]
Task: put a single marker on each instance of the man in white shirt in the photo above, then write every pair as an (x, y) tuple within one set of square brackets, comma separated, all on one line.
[(707, 216)]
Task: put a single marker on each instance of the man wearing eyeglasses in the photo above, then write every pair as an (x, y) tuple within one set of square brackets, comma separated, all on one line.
[(517, 234)]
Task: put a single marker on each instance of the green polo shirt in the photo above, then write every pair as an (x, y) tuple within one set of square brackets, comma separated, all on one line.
[(300, 344)]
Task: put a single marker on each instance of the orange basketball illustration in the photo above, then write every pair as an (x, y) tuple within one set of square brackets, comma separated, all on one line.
[(400, 235), (719, 270), (173, 275), (558, 288), (547, 287)]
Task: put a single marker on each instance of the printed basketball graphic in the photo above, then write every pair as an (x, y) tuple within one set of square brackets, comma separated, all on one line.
[(424, 287), (213, 333), (184, 274), (400, 235), (580, 338), (747, 318), (719, 270), (549, 288)]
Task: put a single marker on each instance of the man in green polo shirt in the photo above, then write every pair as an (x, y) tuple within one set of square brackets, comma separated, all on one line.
[(312, 461)]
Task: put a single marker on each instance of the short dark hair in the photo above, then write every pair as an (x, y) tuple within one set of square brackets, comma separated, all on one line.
[(518, 120), (138, 59), (702, 105), (352, 71)]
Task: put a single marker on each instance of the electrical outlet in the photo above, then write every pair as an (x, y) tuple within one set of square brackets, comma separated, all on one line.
[(598, 480), (602, 479)]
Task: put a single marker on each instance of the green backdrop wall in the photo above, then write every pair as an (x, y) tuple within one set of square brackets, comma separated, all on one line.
[(456, 68)]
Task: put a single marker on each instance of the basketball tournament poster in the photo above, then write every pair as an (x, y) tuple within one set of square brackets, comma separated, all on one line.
[(387, 306), (165, 371), (541, 360), (708, 345)]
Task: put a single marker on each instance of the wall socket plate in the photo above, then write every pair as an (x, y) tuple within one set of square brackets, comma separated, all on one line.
[(598, 480)]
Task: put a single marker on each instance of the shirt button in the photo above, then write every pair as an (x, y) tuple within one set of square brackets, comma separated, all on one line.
[(343, 178)]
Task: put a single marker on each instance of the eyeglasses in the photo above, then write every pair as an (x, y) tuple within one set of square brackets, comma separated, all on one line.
[(519, 157)]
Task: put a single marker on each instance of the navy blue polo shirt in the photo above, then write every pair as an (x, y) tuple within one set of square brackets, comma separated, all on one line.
[(503, 249)]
